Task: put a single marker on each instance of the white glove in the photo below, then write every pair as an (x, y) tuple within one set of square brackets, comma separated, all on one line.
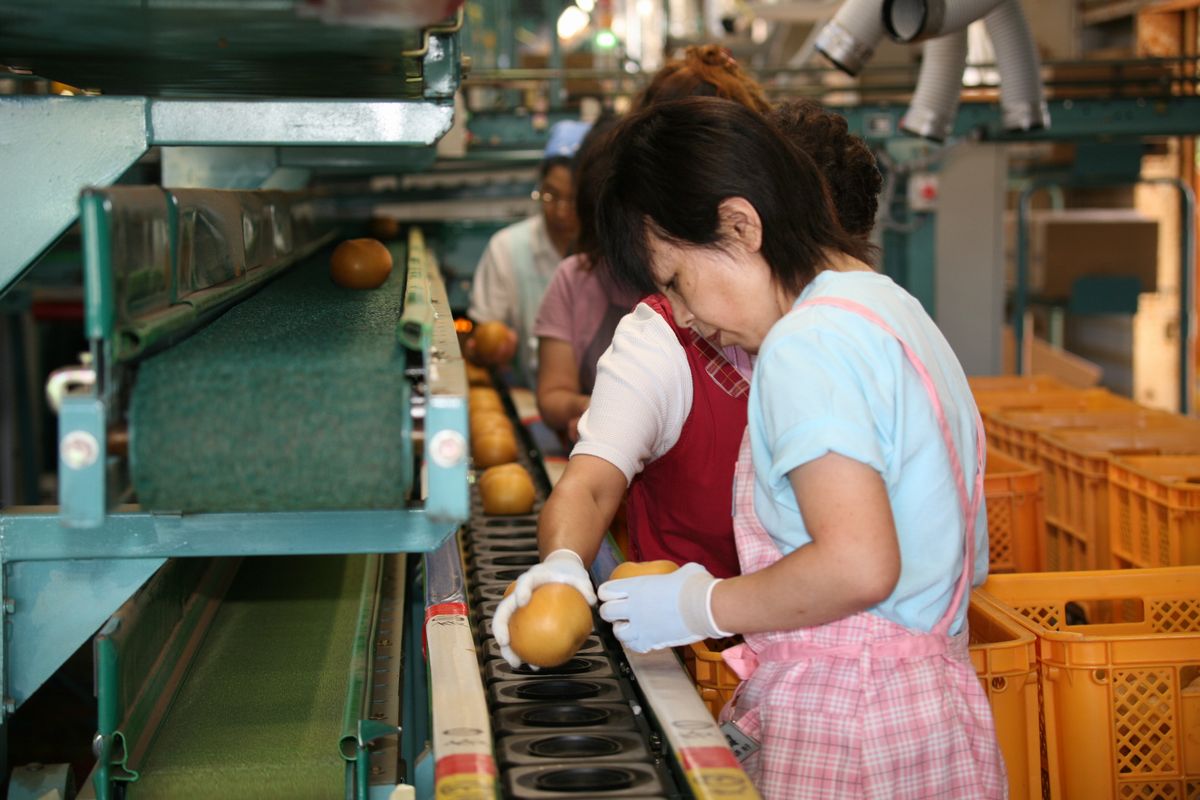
[(651, 612), (561, 566)]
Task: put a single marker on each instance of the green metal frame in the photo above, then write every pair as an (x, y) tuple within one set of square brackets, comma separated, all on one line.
[(53, 151), (144, 650), (415, 718), (113, 553), (909, 251), (125, 723), (1090, 119), (59, 583)]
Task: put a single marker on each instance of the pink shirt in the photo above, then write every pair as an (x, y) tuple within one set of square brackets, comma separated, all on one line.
[(576, 303)]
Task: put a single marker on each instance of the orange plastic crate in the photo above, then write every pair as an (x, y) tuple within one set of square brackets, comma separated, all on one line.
[(1154, 510), (714, 680), (1075, 469), (1015, 383), (1016, 432), (1004, 655), (991, 403), (1120, 700), (1016, 525)]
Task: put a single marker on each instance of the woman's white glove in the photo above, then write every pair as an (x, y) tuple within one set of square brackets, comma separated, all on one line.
[(561, 566), (651, 612)]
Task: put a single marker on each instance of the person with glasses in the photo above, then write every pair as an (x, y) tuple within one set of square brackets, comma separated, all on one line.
[(519, 260)]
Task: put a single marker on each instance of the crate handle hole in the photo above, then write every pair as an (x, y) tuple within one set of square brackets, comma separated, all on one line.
[(1189, 678), (1101, 675), (1123, 610), (998, 684)]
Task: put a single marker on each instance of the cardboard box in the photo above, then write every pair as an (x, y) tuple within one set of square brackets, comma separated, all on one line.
[(1075, 243), (1043, 358)]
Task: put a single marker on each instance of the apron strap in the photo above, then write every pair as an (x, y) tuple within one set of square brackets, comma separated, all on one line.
[(968, 503)]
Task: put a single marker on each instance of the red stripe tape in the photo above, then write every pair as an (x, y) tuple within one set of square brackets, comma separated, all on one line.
[(707, 757), (464, 763), (453, 609), (438, 610)]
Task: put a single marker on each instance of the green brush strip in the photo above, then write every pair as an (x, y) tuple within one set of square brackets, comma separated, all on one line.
[(292, 400), (260, 712)]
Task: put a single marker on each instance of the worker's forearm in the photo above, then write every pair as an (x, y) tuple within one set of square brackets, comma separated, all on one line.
[(572, 518), (810, 586), (559, 406)]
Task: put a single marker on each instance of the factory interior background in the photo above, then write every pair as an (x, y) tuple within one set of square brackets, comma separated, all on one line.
[(247, 548)]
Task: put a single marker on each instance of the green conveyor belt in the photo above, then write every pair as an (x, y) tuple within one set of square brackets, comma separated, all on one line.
[(260, 712), (292, 400)]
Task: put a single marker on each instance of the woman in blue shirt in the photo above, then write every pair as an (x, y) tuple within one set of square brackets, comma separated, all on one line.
[(858, 504)]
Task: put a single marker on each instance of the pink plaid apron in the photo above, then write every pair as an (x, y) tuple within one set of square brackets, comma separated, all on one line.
[(864, 707)]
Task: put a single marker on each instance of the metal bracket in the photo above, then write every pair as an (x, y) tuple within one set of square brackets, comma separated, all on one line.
[(82, 462), (69, 380), (447, 27)]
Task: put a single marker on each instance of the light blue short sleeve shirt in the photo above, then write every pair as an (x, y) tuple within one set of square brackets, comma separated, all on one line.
[(829, 381)]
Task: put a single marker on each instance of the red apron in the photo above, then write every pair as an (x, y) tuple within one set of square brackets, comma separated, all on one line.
[(863, 707), (678, 507)]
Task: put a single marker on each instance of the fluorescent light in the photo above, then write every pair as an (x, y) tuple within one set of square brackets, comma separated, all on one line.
[(571, 22)]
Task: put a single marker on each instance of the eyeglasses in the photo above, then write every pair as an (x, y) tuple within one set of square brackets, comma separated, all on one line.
[(547, 199)]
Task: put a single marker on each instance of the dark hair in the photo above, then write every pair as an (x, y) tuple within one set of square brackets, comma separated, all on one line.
[(704, 71), (844, 159), (672, 164), (590, 165)]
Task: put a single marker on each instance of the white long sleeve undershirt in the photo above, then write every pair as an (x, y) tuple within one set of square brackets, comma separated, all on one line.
[(642, 396)]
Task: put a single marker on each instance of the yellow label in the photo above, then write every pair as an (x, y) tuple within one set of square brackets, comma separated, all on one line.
[(468, 786), (723, 782)]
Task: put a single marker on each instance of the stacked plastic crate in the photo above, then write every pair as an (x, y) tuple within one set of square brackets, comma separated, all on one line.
[(1118, 652), (1120, 699), (1093, 677)]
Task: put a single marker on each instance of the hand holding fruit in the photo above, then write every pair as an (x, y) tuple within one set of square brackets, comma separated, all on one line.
[(562, 568), (653, 611)]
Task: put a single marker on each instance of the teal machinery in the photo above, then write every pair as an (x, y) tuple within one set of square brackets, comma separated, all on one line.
[(235, 413), (248, 454)]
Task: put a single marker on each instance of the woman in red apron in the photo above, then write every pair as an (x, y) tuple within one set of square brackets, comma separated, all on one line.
[(840, 698)]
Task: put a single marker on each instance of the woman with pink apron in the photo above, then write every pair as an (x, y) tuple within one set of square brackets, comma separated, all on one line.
[(855, 528), (906, 690)]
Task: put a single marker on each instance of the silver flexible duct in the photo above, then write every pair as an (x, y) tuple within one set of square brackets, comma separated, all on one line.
[(1022, 98), (849, 39), (939, 87), (913, 20)]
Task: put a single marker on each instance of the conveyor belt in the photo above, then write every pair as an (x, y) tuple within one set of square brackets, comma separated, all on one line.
[(260, 712), (292, 400), (578, 730)]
